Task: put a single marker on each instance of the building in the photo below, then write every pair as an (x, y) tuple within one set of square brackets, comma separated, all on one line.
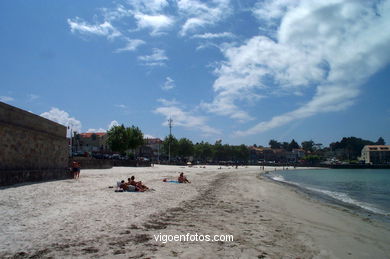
[(90, 142), (97, 143), (375, 154), (151, 148), (278, 155)]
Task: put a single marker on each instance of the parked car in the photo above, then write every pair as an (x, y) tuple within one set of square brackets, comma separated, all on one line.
[(77, 153), (115, 156), (98, 156)]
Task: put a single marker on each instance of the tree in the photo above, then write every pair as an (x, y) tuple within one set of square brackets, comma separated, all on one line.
[(274, 144), (242, 153), (135, 137), (203, 151), (285, 145), (308, 145), (118, 139), (185, 147), (312, 159), (121, 138), (170, 141), (350, 147), (293, 145), (380, 141)]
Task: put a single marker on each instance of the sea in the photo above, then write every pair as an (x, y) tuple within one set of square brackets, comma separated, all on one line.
[(363, 190)]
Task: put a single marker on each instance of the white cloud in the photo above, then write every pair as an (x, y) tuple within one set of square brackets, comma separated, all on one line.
[(157, 23), (169, 84), (332, 46), (148, 136), (122, 106), (184, 119), (33, 97), (271, 11), (149, 6), (96, 130), (6, 99), (131, 45), (200, 14), (109, 126), (112, 124), (63, 118), (115, 14), (214, 35), (157, 58), (104, 29), (166, 102)]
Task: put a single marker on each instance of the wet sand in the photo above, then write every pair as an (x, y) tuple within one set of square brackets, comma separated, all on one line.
[(85, 218)]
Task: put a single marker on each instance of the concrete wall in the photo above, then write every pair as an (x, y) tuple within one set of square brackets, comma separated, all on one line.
[(32, 148)]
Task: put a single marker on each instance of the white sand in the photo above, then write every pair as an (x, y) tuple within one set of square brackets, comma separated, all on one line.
[(85, 218)]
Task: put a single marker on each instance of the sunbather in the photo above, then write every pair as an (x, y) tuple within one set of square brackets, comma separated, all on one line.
[(139, 186), (182, 178)]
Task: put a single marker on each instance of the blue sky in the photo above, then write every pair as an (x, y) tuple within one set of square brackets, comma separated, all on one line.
[(240, 71)]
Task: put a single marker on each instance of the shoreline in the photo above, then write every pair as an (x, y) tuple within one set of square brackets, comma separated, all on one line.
[(354, 209), (267, 219)]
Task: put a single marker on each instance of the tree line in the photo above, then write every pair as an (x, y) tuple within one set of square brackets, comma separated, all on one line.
[(122, 139)]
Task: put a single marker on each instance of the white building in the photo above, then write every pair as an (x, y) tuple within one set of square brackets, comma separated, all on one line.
[(375, 154)]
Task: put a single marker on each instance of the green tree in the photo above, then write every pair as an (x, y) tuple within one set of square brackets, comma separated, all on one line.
[(380, 141), (135, 137), (242, 153), (350, 147), (118, 139), (172, 142), (285, 145), (312, 159), (274, 144), (203, 151), (308, 145), (293, 145), (121, 138), (185, 147)]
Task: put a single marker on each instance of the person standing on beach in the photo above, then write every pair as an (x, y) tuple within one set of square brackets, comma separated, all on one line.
[(77, 170), (74, 169)]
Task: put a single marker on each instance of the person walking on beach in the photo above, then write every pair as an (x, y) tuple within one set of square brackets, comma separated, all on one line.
[(76, 169)]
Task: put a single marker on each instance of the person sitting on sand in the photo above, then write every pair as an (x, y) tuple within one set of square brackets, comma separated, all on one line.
[(123, 185), (182, 178), (139, 186)]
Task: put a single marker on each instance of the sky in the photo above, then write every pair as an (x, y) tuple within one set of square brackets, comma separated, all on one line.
[(241, 71)]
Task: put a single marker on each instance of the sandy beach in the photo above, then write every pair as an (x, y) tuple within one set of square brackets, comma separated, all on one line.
[(85, 218)]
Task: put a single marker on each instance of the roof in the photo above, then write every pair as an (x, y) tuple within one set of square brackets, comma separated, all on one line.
[(376, 148), (153, 141), (89, 134)]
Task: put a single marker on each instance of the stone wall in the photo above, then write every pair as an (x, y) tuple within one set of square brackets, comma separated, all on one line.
[(32, 148)]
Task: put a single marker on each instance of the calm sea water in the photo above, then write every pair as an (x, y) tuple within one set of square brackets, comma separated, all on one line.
[(362, 188)]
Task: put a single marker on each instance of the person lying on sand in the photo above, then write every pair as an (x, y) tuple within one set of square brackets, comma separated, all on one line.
[(139, 186), (182, 178)]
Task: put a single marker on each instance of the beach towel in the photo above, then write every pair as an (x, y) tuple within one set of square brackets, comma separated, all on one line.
[(125, 191), (171, 182)]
